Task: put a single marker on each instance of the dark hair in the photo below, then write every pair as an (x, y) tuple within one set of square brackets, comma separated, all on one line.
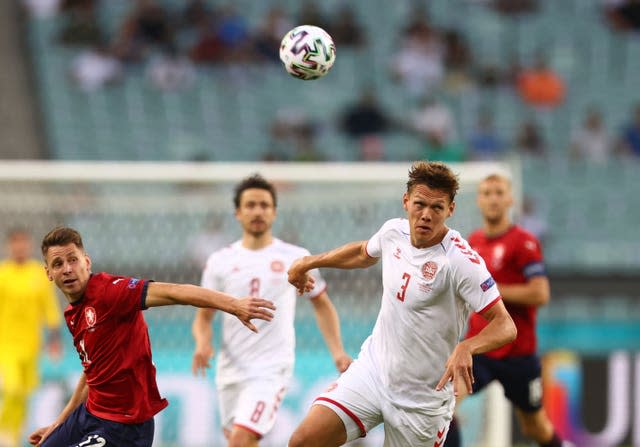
[(61, 236), (435, 175), (255, 181)]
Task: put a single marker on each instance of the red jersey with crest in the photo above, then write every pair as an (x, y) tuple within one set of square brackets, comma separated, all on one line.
[(512, 258), (111, 337)]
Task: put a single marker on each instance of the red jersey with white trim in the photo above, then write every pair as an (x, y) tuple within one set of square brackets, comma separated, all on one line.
[(428, 294), (112, 339), (512, 258)]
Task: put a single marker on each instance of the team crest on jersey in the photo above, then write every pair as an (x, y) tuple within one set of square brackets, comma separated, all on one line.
[(429, 270), (133, 282), (277, 266), (90, 316)]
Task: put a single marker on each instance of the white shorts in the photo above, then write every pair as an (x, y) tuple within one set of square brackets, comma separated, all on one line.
[(253, 404), (357, 399)]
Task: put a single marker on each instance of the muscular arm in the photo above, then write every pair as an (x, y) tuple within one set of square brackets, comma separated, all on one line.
[(165, 294), (534, 292), (349, 256), (329, 324), (500, 331)]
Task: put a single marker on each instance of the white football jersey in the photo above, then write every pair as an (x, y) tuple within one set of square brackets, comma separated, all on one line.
[(427, 297), (242, 272)]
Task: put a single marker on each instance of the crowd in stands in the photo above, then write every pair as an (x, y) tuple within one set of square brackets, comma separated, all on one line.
[(170, 45)]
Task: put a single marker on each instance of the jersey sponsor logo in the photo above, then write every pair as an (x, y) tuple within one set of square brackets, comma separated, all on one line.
[(488, 283), (133, 282), (93, 441), (429, 270), (396, 254), (90, 316), (277, 266)]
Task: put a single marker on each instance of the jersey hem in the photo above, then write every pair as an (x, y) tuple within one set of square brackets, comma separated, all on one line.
[(490, 305), (249, 429)]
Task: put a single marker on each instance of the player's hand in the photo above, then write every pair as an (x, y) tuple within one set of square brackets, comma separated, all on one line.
[(343, 361), (251, 307), (37, 437), (201, 358), (459, 370), (299, 277)]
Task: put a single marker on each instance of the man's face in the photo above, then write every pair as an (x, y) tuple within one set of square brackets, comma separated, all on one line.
[(256, 212), (69, 268), (494, 199), (427, 210), (19, 246)]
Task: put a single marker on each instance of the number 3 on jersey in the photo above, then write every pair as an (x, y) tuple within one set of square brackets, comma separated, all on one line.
[(403, 288)]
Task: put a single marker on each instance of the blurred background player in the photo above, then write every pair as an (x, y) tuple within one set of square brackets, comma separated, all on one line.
[(431, 279), (514, 258), (116, 397), (28, 304), (254, 371)]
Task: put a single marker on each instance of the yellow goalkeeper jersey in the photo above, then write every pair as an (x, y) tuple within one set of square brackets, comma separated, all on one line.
[(28, 303)]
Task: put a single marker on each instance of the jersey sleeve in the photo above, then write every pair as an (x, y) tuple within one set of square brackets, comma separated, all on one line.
[(473, 282), (210, 278), (127, 293), (374, 244), (530, 257)]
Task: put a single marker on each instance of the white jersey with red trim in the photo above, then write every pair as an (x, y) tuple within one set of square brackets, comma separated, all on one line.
[(427, 297), (243, 272)]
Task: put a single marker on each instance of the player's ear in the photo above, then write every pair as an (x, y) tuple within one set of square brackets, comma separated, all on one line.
[(88, 262), (452, 208), (405, 201), (49, 277)]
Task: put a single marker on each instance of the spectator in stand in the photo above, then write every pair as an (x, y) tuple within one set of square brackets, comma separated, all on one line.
[(484, 142), (458, 61), (630, 139), (233, 33), (364, 121), (171, 71), (345, 29), (95, 68), (208, 47), (591, 142), (434, 120), (419, 63), (540, 86), (311, 14), (624, 15), (515, 7), (146, 27), (529, 140), (270, 32), (81, 27)]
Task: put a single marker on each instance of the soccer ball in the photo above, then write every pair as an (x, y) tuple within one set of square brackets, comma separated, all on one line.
[(307, 52)]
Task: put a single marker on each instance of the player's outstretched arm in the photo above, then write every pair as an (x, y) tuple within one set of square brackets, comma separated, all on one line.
[(349, 256), (329, 325), (79, 396), (202, 331), (459, 367), (246, 309)]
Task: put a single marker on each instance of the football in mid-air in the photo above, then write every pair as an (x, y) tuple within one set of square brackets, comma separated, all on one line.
[(307, 52)]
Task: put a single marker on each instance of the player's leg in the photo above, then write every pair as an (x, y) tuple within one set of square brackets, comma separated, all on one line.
[(256, 406), (522, 381), (322, 427), (346, 411), (14, 399), (483, 374)]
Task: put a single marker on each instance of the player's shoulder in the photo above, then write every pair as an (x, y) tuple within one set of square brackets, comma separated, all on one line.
[(458, 250), (395, 225), (287, 248), (521, 234), (225, 252)]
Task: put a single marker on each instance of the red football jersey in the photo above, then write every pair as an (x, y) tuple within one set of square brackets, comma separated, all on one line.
[(511, 258), (112, 339)]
